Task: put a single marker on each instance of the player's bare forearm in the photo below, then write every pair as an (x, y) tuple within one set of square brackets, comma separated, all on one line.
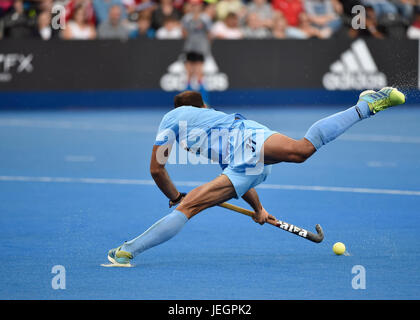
[(164, 182), (260, 215), (159, 174), (251, 197)]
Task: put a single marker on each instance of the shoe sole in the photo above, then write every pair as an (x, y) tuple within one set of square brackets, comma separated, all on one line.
[(116, 264)]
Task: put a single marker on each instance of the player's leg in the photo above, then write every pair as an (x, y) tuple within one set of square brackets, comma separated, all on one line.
[(279, 148), (200, 198), (208, 195)]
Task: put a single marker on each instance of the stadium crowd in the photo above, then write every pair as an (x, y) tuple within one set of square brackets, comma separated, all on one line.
[(221, 19)]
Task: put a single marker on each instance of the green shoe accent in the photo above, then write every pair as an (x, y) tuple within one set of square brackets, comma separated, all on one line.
[(383, 99), (122, 258)]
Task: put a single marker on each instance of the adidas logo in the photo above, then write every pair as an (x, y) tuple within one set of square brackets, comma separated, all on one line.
[(356, 69), (176, 77)]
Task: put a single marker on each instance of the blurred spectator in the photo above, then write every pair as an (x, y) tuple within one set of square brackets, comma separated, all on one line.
[(224, 7), (308, 30), (145, 7), (338, 7), (171, 29), (144, 29), (413, 31), (290, 10), (78, 28), (5, 6), (102, 8), (348, 5), (18, 23), (405, 8), (323, 15), (234, 19), (282, 31), (196, 28), (163, 11), (112, 28), (44, 5), (89, 11), (44, 30), (372, 29), (210, 9), (180, 4), (135, 8), (228, 28), (279, 27), (263, 10), (381, 7), (130, 5), (255, 28)]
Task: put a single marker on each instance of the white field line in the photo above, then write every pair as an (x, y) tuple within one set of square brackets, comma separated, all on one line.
[(197, 183), (91, 126)]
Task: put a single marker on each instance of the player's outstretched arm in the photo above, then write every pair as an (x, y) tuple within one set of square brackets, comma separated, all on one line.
[(161, 177)]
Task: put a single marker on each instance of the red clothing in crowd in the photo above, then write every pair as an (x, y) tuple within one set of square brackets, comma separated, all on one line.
[(6, 4), (89, 11), (179, 4), (290, 9)]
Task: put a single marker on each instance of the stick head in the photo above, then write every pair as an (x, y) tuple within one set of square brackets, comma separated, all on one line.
[(320, 234)]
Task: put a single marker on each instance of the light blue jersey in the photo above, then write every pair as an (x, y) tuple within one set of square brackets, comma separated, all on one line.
[(228, 139), (199, 130)]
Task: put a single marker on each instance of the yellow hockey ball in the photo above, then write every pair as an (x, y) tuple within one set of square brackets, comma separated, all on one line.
[(339, 248)]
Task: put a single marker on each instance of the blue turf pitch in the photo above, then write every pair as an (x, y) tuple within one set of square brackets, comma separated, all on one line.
[(219, 254)]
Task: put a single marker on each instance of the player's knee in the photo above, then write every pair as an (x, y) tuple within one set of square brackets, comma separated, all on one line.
[(303, 151), (189, 207)]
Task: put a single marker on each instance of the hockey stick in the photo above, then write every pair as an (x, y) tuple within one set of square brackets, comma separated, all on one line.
[(281, 224)]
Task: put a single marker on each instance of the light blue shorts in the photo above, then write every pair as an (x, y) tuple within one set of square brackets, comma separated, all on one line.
[(243, 182), (244, 170)]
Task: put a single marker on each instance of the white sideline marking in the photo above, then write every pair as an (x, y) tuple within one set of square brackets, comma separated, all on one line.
[(381, 164), (197, 183), (340, 189), (91, 126)]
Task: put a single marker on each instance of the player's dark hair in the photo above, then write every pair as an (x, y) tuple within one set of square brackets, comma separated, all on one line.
[(188, 98)]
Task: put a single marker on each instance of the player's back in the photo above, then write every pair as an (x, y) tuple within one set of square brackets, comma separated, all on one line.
[(198, 130), (223, 138)]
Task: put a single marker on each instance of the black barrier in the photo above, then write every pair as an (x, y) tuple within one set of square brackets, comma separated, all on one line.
[(235, 66), (334, 65), (84, 65)]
